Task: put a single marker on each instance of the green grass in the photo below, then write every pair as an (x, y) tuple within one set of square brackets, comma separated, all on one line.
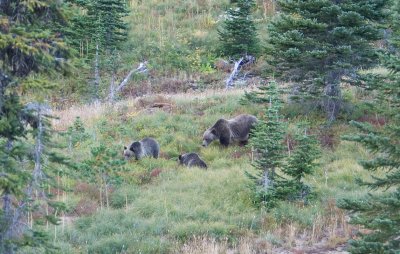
[(178, 39), (178, 205), (160, 214)]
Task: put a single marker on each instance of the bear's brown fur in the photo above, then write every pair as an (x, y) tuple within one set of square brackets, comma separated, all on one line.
[(144, 147), (192, 160), (229, 131)]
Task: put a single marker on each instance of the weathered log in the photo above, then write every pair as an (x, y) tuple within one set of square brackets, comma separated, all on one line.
[(113, 91), (234, 72), (161, 105)]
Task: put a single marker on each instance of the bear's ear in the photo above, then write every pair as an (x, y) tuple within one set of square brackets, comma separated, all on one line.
[(125, 148), (214, 132), (180, 157)]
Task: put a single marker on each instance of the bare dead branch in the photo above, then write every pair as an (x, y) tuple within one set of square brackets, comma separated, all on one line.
[(140, 69), (234, 72)]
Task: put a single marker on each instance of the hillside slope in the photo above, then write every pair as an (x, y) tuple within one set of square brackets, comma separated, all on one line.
[(162, 207), (178, 40)]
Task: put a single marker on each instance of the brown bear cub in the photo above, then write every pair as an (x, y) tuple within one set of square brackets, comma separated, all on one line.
[(231, 130), (192, 160), (144, 147)]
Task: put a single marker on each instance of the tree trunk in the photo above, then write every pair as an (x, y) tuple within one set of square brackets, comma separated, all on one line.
[(96, 74), (266, 179), (106, 189), (112, 89), (4, 82), (332, 101), (6, 220), (37, 173)]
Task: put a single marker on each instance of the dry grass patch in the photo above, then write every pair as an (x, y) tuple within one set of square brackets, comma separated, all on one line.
[(90, 113), (204, 244)]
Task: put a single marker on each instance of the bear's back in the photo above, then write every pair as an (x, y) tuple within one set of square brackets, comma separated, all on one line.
[(150, 147), (193, 160), (241, 124)]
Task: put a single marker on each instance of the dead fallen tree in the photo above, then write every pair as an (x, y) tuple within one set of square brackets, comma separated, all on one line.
[(142, 68), (235, 70), (246, 60)]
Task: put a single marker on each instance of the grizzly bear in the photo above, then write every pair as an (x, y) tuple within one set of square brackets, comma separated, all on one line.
[(144, 147), (192, 160), (228, 131)]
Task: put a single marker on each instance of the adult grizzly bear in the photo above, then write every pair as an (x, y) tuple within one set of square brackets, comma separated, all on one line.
[(192, 160), (144, 147), (228, 131)]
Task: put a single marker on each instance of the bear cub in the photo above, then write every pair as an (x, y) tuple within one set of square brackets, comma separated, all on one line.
[(231, 130), (144, 147), (192, 160)]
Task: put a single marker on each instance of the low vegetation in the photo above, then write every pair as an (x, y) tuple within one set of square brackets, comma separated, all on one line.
[(119, 71), (161, 207)]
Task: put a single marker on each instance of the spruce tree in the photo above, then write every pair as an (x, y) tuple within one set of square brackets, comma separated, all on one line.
[(104, 169), (379, 210), (111, 29), (76, 133), (238, 35), (279, 175), (103, 30), (102, 24), (47, 164), (314, 44), (28, 44), (266, 140), (301, 162)]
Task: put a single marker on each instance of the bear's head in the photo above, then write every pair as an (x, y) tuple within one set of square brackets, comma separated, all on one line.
[(127, 153), (209, 136), (136, 149), (181, 158)]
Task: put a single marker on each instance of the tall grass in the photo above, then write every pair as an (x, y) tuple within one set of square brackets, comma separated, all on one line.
[(182, 210), (179, 39)]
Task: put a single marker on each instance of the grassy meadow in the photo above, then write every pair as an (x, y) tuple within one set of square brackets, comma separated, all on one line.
[(178, 40), (161, 207)]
